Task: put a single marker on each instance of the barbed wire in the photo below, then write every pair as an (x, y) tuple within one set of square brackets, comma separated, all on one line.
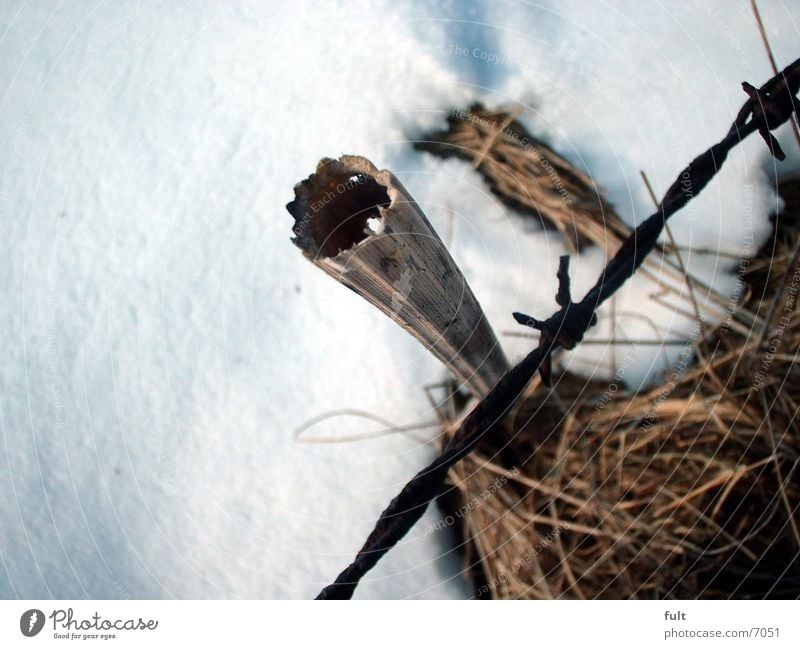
[(766, 108)]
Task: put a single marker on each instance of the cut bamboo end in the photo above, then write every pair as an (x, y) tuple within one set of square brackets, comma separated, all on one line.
[(361, 226)]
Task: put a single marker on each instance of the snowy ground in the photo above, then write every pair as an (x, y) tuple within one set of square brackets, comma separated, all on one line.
[(162, 339)]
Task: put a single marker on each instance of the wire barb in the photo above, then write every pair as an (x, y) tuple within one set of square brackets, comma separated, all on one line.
[(566, 327)]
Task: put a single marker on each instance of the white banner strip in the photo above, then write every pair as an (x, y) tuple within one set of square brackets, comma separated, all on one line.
[(403, 624)]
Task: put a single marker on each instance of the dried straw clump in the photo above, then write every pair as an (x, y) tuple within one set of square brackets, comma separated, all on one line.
[(527, 175), (689, 490)]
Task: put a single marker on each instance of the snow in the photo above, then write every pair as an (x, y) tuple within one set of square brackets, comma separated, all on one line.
[(164, 340)]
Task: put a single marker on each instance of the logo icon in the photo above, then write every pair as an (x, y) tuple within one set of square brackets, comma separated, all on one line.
[(31, 622)]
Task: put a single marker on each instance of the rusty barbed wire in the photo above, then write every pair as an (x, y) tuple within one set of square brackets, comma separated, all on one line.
[(766, 108)]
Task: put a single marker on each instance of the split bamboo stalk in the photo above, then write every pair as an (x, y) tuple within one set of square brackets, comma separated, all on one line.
[(363, 228)]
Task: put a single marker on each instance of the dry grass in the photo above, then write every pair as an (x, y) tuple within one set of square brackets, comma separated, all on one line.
[(527, 175), (689, 490)]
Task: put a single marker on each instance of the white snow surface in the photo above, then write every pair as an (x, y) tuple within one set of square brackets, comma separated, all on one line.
[(163, 340)]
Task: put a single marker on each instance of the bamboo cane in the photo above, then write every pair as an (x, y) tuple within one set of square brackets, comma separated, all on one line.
[(362, 227)]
